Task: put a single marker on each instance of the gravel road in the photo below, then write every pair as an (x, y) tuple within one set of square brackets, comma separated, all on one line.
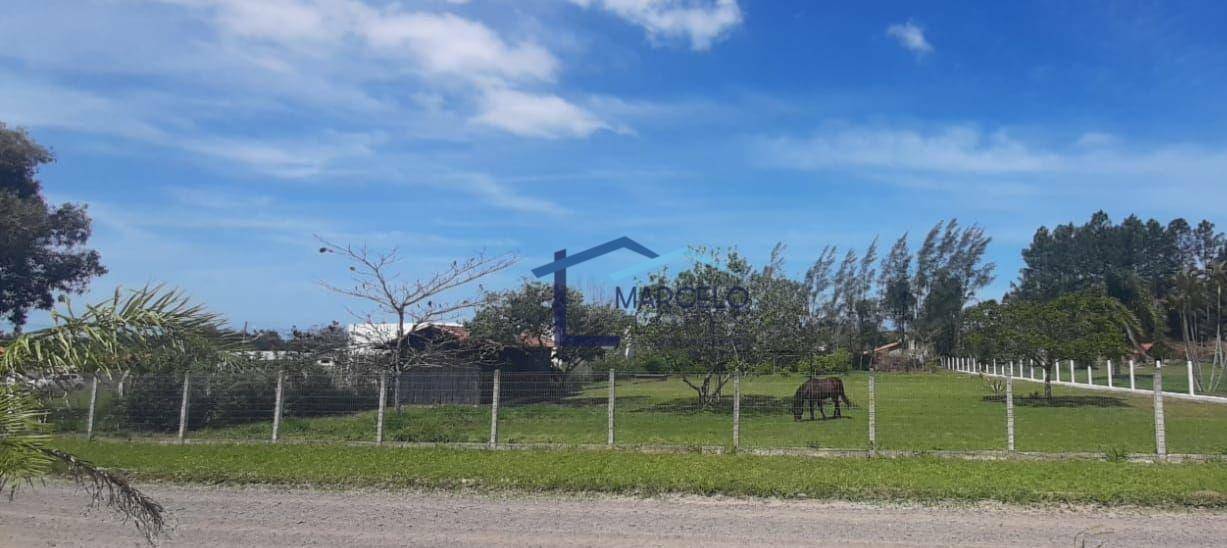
[(236, 516)]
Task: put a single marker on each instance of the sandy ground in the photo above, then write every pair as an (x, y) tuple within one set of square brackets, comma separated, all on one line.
[(205, 516)]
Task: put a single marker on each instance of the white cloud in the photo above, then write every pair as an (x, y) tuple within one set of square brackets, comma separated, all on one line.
[(536, 115), (1095, 139), (43, 104), (952, 149), (286, 159), (973, 163), (437, 43), (447, 44), (490, 190), (701, 21), (911, 36)]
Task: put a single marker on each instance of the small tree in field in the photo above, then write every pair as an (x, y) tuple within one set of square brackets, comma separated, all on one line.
[(705, 344), (377, 280), (1081, 326)]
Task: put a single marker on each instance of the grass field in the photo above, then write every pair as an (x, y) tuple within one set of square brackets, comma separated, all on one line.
[(921, 478), (919, 412)]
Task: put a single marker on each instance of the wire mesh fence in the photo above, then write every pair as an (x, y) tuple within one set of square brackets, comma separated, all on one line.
[(960, 407)]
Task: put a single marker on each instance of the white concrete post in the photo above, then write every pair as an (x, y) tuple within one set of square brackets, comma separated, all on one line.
[(1133, 383), (996, 371), (736, 410), (1189, 367), (1090, 375), (612, 395), (187, 383), (1056, 366), (1031, 364), (498, 373), (1160, 425), (277, 405), (873, 414), (1109, 373), (383, 404), (1009, 413), (93, 403)]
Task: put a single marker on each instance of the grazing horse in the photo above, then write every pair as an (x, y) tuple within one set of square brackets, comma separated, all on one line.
[(813, 392)]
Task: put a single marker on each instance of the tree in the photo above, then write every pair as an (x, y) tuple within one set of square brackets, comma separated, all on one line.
[(898, 301), (42, 253), (376, 281), (950, 271), (779, 309), (1084, 326), (523, 315), (704, 344), (109, 333)]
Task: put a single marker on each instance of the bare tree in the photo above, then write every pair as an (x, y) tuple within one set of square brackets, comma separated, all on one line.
[(376, 280)]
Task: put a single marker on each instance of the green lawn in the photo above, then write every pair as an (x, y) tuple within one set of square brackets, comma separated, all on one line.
[(921, 478), (921, 412)]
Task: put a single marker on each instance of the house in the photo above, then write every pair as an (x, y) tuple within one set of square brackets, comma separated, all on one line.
[(453, 368)]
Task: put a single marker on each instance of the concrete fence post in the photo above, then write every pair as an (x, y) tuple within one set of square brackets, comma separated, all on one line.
[(612, 396), (187, 384), (873, 414), (1189, 368), (1160, 423), (119, 387), (1073, 377), (1009, 413), (277, 405), (736, 410), (1133, 383), (1090, 374), (1109, 373), (93, 404), (383, 404), (1056, 367), (1031, 364), (498, 373), (995, 370)]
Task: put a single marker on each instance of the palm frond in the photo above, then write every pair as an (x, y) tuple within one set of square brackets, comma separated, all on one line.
[(22, 437), (113, 491), (112, 333)]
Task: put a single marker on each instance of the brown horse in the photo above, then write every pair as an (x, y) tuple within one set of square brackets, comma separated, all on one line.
[(813, 392)]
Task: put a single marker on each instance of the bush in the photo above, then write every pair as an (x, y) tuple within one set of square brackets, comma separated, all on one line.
[(224, 399), (152, 403), (839, 361)]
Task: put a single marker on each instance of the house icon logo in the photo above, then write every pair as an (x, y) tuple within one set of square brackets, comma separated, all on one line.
[(559, 269), (562, 261)]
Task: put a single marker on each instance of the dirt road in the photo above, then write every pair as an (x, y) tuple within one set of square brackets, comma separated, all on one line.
[(204, 516)]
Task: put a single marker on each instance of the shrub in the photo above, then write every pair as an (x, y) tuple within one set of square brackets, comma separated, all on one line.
[(152, 402)]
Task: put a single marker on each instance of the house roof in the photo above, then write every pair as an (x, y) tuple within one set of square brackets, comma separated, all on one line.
[(888, 346)]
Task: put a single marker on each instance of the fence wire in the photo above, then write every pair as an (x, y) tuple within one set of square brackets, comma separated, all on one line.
[(956, 407)]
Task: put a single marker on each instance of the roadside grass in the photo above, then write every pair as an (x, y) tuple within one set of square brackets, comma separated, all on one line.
[(916, 411), (903, 479)]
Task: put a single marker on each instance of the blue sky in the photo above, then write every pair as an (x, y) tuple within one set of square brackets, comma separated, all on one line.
[(213, 138)]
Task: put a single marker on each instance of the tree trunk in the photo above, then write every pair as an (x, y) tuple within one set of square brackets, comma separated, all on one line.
[(1048, 381)]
